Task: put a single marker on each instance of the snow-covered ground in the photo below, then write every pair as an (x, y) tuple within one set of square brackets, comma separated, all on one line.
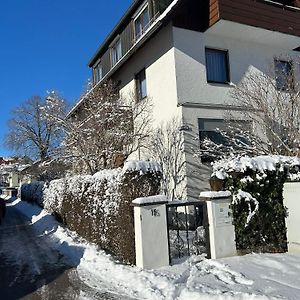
[(255, 276)]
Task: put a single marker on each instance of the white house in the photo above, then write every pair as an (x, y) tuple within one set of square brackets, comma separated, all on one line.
[(187, 55)]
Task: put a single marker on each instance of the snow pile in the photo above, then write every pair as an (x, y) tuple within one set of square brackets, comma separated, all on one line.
[(260, 164), (255, 276)]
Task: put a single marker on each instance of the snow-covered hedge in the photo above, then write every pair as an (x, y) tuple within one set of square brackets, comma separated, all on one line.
[(99, 207), (32, 192), (257, 186)]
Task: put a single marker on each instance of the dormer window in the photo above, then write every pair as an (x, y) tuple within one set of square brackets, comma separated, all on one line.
[(141, 22), (98, 72), (116, 52)]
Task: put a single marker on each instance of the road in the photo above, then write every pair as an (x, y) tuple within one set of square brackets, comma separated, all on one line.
[(31, 269)]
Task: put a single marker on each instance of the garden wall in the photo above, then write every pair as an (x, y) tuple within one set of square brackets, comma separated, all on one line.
[(99, 207)]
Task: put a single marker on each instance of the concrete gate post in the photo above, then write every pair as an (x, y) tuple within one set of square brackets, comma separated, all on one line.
[(291, 192), (221, 229), (151, 236)]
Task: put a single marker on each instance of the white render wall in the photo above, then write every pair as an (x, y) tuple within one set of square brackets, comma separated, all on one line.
[(158, 59), (243, 56), (174, 60), (200, 99)]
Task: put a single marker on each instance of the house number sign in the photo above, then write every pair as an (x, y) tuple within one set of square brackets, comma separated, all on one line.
[(155, 212)]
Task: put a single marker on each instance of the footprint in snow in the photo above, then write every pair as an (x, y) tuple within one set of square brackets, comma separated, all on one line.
[(222, 272)]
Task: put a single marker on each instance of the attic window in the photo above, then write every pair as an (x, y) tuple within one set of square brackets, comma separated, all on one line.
[(141, 22), (116, 52), (98, 72)]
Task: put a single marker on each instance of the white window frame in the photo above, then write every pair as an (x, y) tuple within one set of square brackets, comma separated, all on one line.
[(116, 51), (137, 16), (98, 72)]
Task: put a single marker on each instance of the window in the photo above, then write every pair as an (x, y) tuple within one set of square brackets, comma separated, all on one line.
[(142, 22), (207, 130), (98, 73), (141, 85), (217, 66), (284, 75), (218, 137), (116, 52)]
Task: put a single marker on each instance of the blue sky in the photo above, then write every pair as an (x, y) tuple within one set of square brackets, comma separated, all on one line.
[(46, 44)]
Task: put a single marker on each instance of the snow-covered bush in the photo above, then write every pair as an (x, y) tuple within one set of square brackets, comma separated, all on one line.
[(99, 207), (258, 210), (32, 192)]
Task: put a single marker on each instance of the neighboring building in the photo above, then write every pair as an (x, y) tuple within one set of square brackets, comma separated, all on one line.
[(187, 55), (11, 169)]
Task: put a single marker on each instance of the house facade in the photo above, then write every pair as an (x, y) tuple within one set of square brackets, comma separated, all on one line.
[(188, 55)]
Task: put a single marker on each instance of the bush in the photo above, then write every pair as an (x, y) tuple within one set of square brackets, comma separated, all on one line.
[(258, 210), (99, 207), (266, 230), (32, 192)]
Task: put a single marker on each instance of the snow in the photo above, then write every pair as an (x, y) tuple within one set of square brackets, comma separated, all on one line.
[(141, 166), (254, 276), (260, 163), (248, 198), (151, 199), (212, 195)]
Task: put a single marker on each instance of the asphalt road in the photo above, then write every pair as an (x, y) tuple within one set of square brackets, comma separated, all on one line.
[(31, 269)]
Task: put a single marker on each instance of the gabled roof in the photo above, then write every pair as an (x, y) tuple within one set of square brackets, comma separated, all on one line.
[(123, 22)]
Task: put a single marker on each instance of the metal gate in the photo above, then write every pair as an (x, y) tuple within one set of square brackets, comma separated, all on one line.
[(187, 230)]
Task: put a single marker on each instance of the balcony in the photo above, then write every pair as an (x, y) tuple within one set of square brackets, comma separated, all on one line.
[(274, 22), (264, 14)]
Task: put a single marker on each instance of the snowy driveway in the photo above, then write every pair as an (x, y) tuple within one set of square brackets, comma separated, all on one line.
[(31, 268)]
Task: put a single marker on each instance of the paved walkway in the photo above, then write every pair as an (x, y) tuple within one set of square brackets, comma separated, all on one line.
[(31, 269)]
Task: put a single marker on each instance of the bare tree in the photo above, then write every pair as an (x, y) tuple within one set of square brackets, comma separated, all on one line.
[(167, 147), (104, 130), (272, 101), (31, 132), (236, 138)]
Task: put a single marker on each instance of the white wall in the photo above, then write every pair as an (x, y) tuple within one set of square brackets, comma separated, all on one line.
[(157, 57), (174, 60), (291, 197), (243, 55), (200, 99)]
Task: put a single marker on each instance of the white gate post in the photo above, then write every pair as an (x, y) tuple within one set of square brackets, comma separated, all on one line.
[(151, 234), (221, 229), (291, 192)]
